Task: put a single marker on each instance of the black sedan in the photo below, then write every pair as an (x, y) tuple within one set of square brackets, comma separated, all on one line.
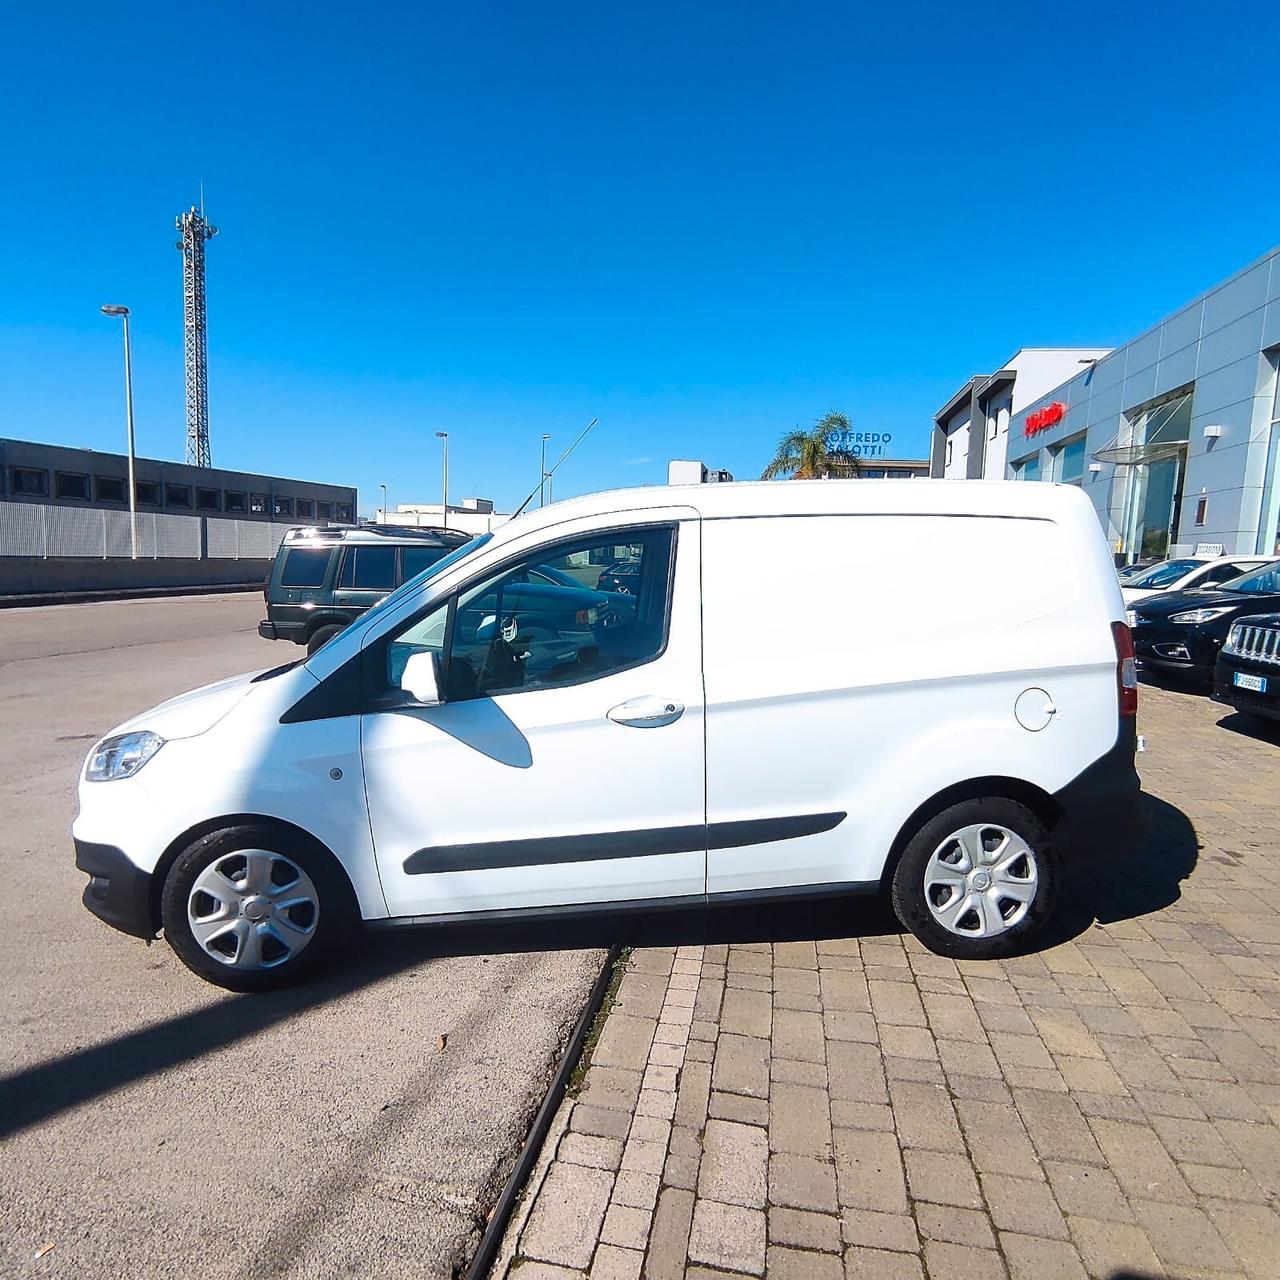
[(1182, 632), (1247, 676)]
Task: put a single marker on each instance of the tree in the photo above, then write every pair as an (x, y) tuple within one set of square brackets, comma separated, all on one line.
[(809, 455)]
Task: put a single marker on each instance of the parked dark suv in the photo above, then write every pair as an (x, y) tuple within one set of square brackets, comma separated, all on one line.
[(1247, 675), (322, 579)]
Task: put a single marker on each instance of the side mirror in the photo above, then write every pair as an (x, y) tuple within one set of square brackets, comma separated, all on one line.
[(421, 678)]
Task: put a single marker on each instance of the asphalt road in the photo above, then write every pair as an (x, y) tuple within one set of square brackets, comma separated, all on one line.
[(151, 1125)]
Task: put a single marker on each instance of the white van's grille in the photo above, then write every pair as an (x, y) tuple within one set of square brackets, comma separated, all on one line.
[(1262, 644)]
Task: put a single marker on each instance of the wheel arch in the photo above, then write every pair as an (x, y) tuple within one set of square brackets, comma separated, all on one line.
[(1039, 801), (209, 825)]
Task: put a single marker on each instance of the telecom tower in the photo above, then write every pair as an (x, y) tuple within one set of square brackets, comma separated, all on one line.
[(195, 231)]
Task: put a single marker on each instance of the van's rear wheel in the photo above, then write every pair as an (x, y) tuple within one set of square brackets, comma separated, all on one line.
[(978, 881), (321, 637), (252, 907)]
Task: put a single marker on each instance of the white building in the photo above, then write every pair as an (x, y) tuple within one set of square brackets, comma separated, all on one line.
[(471, 515), (971, 431), (1175, 436)]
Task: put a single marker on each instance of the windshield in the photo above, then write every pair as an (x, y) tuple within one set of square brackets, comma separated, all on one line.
[(1161, 575), (1257, 582), (412, 584)]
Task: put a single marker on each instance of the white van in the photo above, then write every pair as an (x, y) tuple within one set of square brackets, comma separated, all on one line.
[(644, 699)]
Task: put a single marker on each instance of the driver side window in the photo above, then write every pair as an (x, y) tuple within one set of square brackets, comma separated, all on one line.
[(574, 612)]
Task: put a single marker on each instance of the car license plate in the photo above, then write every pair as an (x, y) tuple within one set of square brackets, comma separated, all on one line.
[(1257, 683), (1129, 617)]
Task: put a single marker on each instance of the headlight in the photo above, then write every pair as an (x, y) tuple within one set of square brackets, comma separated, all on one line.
[(121, 756), (1200, 615)]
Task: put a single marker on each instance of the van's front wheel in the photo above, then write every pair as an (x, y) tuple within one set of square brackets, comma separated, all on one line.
[(978, 881), (251, 908)]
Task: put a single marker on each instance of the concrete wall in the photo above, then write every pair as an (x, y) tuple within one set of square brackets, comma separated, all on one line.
[(32, 575), (1225, 346)]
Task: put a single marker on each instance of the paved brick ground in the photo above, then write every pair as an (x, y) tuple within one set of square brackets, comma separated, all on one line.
[(861, 1108)]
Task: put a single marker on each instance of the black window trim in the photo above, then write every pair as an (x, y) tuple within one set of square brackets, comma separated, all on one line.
[(122, 481), (236, 493), (204, 488), (43, 472), (72, 475), (382, 698), (359, 686)]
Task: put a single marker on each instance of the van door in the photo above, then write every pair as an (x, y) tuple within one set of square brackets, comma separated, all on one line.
[(566, 764)]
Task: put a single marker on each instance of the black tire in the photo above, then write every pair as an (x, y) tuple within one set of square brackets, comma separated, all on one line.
[(321, 637), (334, 922), (908, 892)]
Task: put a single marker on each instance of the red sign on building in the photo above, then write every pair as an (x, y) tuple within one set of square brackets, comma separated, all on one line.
[(1043, 419)]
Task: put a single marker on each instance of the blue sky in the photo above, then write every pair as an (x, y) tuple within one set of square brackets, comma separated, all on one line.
[(704, 224)]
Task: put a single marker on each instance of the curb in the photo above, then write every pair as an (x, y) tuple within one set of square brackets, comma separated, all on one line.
[(496, 1228), (37, 599)]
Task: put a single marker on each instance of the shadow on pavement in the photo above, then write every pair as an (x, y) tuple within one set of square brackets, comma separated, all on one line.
[(49, 1088), (1258, 728), (1137, 885), (1125, 886)]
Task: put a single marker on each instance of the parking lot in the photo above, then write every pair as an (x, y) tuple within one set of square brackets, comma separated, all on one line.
[(1110, 1103), (806, 1104), (154, 1125)]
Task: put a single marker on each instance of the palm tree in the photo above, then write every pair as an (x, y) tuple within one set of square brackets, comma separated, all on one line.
[(808, 455)]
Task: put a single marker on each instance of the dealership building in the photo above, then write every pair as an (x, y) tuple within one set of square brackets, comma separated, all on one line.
[(1174, 437)]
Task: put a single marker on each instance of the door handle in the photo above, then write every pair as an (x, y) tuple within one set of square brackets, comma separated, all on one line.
[(646, 712)]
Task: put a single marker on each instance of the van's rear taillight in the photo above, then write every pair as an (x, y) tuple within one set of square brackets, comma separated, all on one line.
[(1126, 670)]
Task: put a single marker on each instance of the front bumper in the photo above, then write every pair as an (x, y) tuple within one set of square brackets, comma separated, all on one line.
[(118, 892), (1102, 807), (1257, 704), (1175, 647)]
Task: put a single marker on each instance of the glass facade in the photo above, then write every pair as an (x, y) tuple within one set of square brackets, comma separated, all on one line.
[(1156, 465), (1068, 461), (1269, 521)]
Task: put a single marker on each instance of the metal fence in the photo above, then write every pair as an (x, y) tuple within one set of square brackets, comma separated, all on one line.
[(46, 531)]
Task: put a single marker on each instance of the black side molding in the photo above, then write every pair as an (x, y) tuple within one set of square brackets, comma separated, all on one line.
[(616, 844)]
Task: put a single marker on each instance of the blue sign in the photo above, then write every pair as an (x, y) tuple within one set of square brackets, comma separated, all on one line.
[(859, 444)]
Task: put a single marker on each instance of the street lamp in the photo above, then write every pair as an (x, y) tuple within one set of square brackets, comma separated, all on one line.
[(542, 473), (123, 313), (383, 487), (444, 506)]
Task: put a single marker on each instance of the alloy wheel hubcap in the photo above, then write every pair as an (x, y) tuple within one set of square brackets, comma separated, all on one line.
[(253, 909), (981, 880)]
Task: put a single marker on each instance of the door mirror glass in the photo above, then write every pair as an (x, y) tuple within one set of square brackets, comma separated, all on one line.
[(421, 678)]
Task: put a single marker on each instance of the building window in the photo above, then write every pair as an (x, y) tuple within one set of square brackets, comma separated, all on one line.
[(235, 501), (68, 485), (1068, 461), (1202, 509), (147, 493), (1028, 468), (307, 508), (177, 495), (947, 463), (208, 500), (343, 511), (1269, 523), (283, 507), (30, 481), (324, 510), (110, 489), (258, 504)]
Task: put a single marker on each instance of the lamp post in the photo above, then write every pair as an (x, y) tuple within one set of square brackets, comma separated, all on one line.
[(444, 505), (123, 313), (383, 487), (542, 473)]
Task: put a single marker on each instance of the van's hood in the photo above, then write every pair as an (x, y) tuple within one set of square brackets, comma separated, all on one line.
[(193, 713)]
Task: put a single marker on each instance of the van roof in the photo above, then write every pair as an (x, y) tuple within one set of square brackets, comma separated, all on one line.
[(1008, 498)]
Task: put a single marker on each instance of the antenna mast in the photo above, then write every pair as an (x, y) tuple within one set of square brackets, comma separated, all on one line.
[(195, 231)]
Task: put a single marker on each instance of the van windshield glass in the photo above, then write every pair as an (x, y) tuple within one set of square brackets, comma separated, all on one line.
[(458, 553)]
